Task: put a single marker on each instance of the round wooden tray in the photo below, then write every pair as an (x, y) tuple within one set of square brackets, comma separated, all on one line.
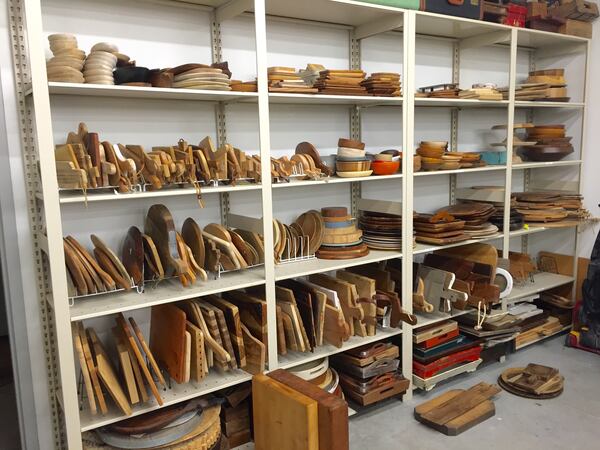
[(507, 386)]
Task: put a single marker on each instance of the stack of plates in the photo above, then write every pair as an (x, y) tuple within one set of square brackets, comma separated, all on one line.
[(342, 239), (100, 63), (473, 213), (381, 231), (516, 220), (66, 64), (351, 160), (200, 76), (439, 229), (386, 84)]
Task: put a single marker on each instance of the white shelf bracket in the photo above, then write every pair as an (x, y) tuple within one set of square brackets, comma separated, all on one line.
[(233, 9), (485, 40), (390, 23)]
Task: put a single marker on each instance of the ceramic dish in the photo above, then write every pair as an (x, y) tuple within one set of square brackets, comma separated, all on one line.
[(365, 173), (385, 167), (350, 152)]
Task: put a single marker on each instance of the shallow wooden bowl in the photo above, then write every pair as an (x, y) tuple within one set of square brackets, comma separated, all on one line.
[(349, 143), (428, 152), (547, 152), (350, 152), (434, 144), (450, 165), (383, 157)]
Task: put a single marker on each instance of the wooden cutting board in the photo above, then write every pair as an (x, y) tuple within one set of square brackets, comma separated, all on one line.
[(232, 317), (133, 255), (332, 410), (160, 227), (456, 411), (167, 339), (192, 235), (255, 352), (283, 417)]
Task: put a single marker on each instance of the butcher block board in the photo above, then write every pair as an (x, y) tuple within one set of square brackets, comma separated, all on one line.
[(332, 411), (283, 417)]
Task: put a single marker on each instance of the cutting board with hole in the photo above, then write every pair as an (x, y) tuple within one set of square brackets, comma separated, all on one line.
[(160, 227)]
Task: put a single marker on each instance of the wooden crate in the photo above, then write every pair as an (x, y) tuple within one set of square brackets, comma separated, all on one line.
[(577, 28), (577, 10)]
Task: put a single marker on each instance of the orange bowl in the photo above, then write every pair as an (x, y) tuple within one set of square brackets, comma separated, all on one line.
[(385, 167)]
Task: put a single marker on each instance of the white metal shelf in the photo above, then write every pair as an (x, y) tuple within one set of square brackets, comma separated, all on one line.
[(542, 104), (539, 165), (457, 171), (308, 267), (166, 292), (323, 99), (335, 180), (543, 338), (460, 103), (542, 282), (425, 319), (214, 381), (293, 359), (99, 90), (104, 196)]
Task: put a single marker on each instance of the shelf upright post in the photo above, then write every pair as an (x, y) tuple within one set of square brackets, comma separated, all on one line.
[(454, 118), (510, 132), (355, 124), (45, 218), (267, 197), (220, 117), (527, 172), (408, 124), (586, 80)]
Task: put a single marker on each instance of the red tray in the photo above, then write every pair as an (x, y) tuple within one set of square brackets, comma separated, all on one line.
[(437, 340), (431, 369)]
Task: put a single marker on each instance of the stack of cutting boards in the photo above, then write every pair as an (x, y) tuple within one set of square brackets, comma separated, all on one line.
[(385, 84), (438, 229), (104, 272), (448, 90), (541, 85), (287, 79), (485, 91), (341, 239), (127, 386), (476, 216), (291, 413), (370, 374), (341, 82), (381, 231), (458, 410), (550, 208), (201, 76)]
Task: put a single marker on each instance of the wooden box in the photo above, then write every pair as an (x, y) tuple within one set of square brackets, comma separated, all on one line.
[(577, 10), (577, 28), (537, 9)]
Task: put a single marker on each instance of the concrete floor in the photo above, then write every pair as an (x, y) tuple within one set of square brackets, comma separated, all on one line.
[(571, 420)]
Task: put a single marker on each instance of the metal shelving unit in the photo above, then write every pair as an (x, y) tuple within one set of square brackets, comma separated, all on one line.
[(361, 20)]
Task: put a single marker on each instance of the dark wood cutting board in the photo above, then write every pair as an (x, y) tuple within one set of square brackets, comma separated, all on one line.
[(133, 254), (160, 227)]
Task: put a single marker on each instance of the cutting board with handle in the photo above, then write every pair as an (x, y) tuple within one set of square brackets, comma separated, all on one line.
[(192, 235), (167, 339), (160, 227), (133, 255)]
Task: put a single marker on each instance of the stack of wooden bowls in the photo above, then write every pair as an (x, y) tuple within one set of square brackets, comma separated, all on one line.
[(342, 239), (66, 64), (100, 63), (431, 153), (552, 143), (351, 160)]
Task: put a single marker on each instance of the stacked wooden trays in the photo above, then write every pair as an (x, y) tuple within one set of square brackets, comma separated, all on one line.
[(351, 160), (342, 240), (439, 229), (370, 374)]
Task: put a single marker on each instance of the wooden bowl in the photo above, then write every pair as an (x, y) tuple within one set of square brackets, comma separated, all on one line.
[(349, 143), (431, 163), (352, 166), (385, 167), (547, 152), (434, 144), (429, 152), (450, 165), (350, 152), (383, 157)]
